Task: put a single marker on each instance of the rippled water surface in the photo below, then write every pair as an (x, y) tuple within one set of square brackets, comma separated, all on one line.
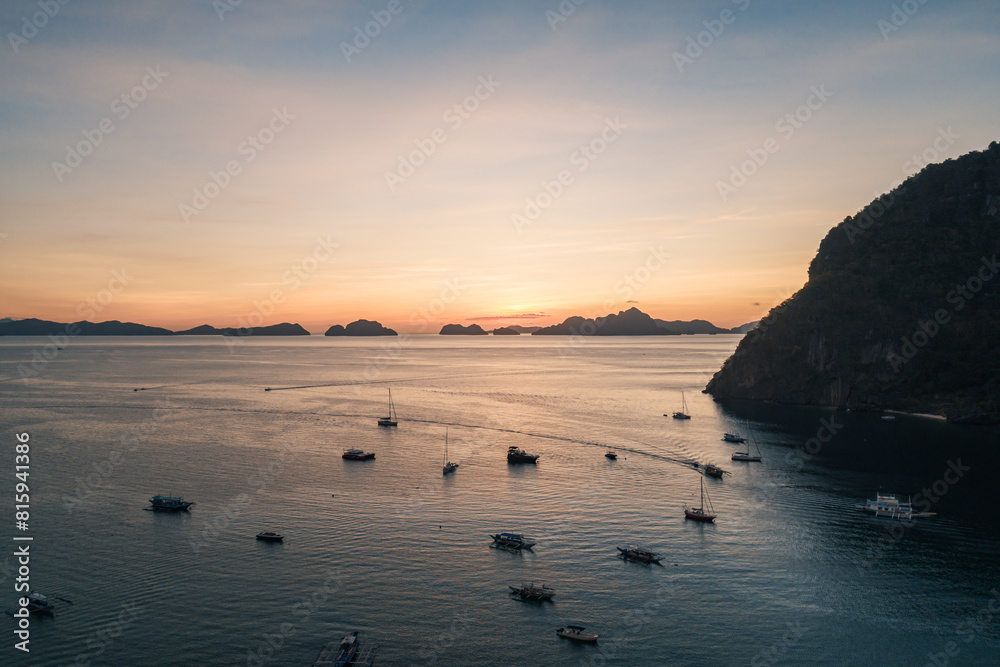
[(791, 573)]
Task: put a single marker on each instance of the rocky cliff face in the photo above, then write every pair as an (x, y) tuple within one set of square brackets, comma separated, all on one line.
[(900, 310)]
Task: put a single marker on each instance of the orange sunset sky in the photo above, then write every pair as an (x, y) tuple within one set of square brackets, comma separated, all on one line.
[(395, 177)]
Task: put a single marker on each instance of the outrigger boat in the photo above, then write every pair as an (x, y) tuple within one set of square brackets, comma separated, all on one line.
[(515, 455), (532, 592), (39, 604), (511, 541), (358, 455), (169, 504), (713, 470), (577, 633), (701, 513), (389, 420), (346, 652), (639, 555), (888, 505), (268, 536)]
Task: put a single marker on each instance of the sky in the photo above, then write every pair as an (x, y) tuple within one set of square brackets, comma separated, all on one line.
[(247, 162)]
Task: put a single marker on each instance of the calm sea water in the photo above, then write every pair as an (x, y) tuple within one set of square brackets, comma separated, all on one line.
[(791, 573)]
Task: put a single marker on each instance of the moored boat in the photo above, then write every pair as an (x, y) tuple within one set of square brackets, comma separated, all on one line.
[(733, 437), (533, 592), (448, 465), (358, 455), (269, 536), (611, 455), (683, 412), (390, 418), (746, 456), (577, 633), (515, 455), (639, 554), (512, 541), (705, 512), (169, 504)]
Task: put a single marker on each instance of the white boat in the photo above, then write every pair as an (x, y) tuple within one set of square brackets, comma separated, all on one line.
[(577, 633), (683, 412), (533, 592), (888, 505), (448, 465), (390, 419), (747, 456)]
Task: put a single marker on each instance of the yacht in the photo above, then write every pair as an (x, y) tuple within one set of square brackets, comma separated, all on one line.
[(705, 512), (576, 632), (358, 455), (390, 418), (515, 455), (268, 536), (169, 504), (683, 412)]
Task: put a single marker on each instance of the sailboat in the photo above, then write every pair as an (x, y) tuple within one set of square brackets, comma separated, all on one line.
[(747, 456), (700, 513), (448, 465), (390, 420), (683, 412)]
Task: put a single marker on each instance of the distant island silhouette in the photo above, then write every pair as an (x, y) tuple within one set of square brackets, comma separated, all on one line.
[(360, 328), (900, 308), (459, 330), (506, 331), (631, 322), (36, 327)]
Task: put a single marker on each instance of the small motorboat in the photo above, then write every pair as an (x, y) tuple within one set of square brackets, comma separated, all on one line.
[(577, 633), (533, 592), (268, 536), (713, 470), (733, 437), (612, 455), (358, 455), (169, 504), (639, 555), (512, 541), (515, 455)]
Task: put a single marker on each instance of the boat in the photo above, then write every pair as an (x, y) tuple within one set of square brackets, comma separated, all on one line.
[(512, 541), (169, 504), (733, 437), (268, 536), (358, 455), (747, 456), (701, 513), (713, 470), (515, 455), (577, 633), (888, 505), (639, 554), (448, 465), (348, 651), (612, 455), (389, 420), (39, 604), (683, 412), (533, 592)]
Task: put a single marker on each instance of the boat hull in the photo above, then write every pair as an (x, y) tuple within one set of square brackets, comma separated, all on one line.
[(697, 516), (387, 422), (358, 456), (747, 458), (270, 538), (577, 636)]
